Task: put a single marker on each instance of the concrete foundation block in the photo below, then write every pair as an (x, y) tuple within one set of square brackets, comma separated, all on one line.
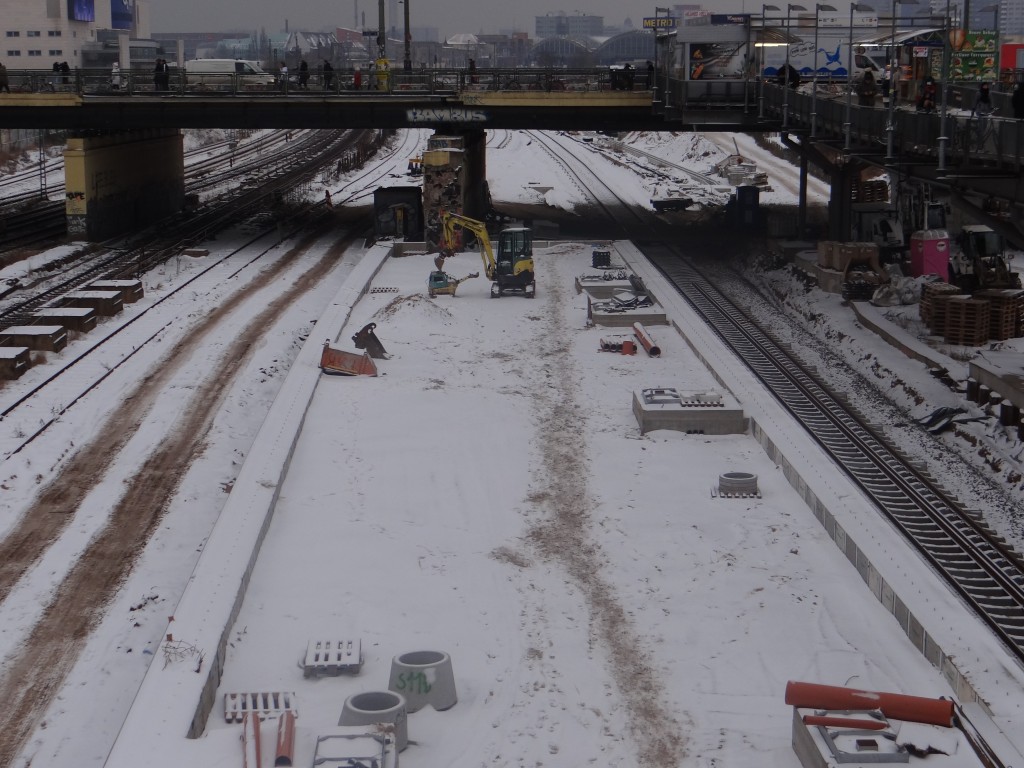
[(383, 707), (424, 677)]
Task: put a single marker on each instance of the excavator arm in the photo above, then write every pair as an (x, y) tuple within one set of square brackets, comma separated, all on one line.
[(450, 222)]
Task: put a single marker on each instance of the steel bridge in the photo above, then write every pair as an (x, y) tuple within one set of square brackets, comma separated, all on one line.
[(972, 159)]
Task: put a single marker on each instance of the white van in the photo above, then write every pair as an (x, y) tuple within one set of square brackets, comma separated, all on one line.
[(227, 74)]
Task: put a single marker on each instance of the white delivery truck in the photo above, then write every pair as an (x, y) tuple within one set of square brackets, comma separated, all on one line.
[(223, 74)]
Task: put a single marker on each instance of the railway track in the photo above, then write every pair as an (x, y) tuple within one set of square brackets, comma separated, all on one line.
[(124, 341), (973, 561), (977, 564)]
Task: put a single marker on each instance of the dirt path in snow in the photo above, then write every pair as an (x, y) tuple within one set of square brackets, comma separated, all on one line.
[(563, 536), (34, 676)]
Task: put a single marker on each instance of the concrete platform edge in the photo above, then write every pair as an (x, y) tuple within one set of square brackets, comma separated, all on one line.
[(210, 603), (800, 475)]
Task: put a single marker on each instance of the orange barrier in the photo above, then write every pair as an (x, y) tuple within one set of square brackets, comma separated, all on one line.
[(251, 756), (845, 722), (285, 740), (914, 709), (646, 341), (338, 361)]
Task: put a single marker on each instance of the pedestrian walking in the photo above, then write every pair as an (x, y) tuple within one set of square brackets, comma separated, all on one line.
[(55, 78), (886, 83), (1018, 101), (866, 90), (115, 76), (304, 75), (929, 91), (328, 75), (65, 72), (283, 77), (5, 85), (357, 79), (650, 75), (981, 110), (983, 102)]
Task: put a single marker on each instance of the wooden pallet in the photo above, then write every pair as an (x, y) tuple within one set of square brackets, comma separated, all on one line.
[(967, 321), (930, 294), (333, 657), (263, 703), (1006, 316)]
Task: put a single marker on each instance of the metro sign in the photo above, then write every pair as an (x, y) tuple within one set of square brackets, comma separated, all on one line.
[(659, 22)]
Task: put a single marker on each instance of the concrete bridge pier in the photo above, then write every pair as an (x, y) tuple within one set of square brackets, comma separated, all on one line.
[(475, 196), (122, 180)]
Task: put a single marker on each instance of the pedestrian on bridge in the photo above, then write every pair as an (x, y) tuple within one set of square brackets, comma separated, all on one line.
[(866, 90), (115, 76), (5, 85), (357, 79), (929, 91), (283, 77), (304, 75), (328, 75), (1017, 100), (983, 102)]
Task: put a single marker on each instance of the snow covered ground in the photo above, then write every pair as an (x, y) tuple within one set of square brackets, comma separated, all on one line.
[(489, 496)]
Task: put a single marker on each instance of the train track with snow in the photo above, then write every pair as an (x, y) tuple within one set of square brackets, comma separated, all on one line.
[(976, 563), (123, 338)]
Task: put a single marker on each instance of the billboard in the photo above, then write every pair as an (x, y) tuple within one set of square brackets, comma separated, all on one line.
[(82, 10), (709, 60), (122, 14)]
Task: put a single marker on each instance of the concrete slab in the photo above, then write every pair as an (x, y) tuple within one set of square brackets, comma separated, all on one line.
[(704, 413)]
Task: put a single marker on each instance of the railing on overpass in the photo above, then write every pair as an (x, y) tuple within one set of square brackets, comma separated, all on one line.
[(102, 82), (995, 141)]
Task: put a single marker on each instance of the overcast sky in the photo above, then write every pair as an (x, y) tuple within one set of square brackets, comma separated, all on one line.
[(448, 16)]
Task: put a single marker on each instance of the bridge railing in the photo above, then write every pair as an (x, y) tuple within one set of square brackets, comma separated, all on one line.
[(102, 82), (995, 140)]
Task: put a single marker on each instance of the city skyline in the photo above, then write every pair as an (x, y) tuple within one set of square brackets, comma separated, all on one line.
[(449, 16)]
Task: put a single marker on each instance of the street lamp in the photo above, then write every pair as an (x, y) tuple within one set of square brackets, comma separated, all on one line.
[(814, 83), (407, 61), (760, 60), (657, 72), (943, 138), (859, 8), (894, 78), (785, 94)]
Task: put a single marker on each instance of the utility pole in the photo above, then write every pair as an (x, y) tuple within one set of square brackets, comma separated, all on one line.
[(381, 34)]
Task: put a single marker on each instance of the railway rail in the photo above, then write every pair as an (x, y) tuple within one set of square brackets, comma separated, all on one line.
[(977, 564), (222, 269)]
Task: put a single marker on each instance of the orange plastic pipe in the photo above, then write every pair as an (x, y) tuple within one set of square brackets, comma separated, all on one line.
[(914, 709), (251, 755), (646, 341), (846, 722), (285, 740)]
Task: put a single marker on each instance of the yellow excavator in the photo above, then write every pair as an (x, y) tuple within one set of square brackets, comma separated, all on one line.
[(512, 270)]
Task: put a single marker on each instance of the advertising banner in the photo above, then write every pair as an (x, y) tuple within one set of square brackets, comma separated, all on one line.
[(82, 10), (122, 14), (716, 60), (974, 57)]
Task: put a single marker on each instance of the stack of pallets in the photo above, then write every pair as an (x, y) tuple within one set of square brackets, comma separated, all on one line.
[(933, 305), (1006, 312), (966, 321)]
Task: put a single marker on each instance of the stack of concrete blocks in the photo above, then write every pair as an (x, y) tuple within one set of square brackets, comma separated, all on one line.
[(443, 183)]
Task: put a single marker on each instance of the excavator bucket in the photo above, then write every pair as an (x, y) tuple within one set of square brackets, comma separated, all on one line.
[(338, 362), (367, 339)]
